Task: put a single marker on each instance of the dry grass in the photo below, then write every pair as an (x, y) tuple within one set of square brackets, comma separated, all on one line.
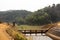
[(16, 35)]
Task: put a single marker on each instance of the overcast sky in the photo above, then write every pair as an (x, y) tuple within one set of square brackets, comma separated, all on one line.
[(30, 5)]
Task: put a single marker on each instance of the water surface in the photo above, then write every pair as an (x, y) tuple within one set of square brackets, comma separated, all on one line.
[(37, 37)]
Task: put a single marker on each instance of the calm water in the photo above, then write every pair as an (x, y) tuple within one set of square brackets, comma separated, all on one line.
[(38, 37)]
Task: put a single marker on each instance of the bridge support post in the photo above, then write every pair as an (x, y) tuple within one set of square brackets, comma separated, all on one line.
[(36, 32), (41, 32), (30, 32), (24, 32)]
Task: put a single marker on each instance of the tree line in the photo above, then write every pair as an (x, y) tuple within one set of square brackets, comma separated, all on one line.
[(49, 14), (46, 15)]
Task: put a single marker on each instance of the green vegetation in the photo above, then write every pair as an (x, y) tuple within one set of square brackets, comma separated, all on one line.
[(28, 27), (42, 16), (13, 15), (15, 34)]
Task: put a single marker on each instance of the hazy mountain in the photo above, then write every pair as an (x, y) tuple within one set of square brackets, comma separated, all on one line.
[(12, 15)]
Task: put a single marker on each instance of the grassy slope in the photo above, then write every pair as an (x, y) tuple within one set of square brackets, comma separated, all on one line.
[(15, 34)]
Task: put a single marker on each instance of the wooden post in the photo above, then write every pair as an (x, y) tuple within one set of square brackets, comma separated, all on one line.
[(13, 24), (36, 32), (30, 32), (25, 32), (41, 32)]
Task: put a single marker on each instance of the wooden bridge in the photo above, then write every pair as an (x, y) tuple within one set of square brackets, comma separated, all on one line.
[(41, 31), (33, 31), (51, 35)]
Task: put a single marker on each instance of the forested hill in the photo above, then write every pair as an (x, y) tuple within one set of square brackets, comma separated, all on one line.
[(13, 15), (49, 14), (42, 16)]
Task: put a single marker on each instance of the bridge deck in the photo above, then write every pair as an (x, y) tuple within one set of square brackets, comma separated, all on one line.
[(33, 31)]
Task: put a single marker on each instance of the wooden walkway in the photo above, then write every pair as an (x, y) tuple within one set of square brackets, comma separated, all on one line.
[(44, 30), (33, 31), (54, 37), (54, 33)]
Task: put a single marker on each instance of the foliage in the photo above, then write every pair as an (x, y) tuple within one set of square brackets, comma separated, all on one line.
[(42, 16), (13, 15), (38, 18)]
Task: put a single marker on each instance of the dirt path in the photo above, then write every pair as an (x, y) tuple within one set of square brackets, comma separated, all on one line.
[(53, 36), (3, 34), (54, 32)]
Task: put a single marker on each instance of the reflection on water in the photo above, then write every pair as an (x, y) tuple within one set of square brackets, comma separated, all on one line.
[(38, 37)]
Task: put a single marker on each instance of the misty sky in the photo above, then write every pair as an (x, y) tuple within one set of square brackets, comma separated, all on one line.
[(30, 5)]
